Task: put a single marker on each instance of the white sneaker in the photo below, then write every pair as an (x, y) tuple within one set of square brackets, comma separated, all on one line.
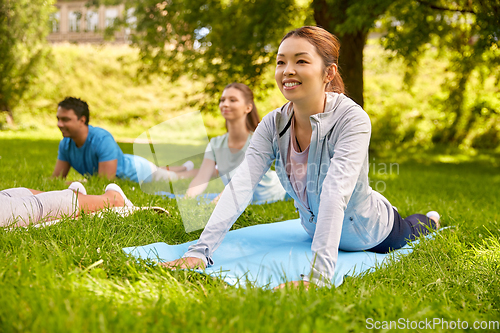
[(189, 165), (433, 213), (78, 187), (116, 188)]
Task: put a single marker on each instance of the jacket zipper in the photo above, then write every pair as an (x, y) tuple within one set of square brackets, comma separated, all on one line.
[(311, 218)]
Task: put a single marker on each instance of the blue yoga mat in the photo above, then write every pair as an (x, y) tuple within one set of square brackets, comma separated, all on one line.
[(266, 255)]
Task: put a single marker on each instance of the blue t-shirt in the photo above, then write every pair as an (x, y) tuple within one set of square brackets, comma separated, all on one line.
[(100, 146)]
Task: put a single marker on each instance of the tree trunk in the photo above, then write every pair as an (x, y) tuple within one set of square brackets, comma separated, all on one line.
[(10, 119), (458, 129), (351, 45), (10, 116), (351, 64)]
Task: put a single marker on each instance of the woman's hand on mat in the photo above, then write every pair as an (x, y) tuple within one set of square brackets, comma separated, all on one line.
[(216, 200), (182, 263), (293, 284)]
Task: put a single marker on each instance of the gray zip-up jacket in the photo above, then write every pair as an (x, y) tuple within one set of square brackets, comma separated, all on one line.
[(344, 212)]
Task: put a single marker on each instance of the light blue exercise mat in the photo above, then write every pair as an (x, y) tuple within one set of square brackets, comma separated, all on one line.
[(266, 255)]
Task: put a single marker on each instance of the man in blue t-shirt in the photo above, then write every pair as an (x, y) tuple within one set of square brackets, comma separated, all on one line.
[(90, 150)]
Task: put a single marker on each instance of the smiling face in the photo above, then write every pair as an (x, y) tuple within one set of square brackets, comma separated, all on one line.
[(233, 104), (68, 122), (301, 74)]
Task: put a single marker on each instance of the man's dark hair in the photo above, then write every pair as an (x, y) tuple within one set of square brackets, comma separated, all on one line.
[(81, 108)]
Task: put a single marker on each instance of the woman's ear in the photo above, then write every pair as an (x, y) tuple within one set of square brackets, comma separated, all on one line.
[(331, 71), (249, 108)]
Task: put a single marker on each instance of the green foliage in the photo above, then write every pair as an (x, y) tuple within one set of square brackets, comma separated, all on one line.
[(468, 32), (415, 117), (217, 41), (105, 76), (23, 29), (222, 41)]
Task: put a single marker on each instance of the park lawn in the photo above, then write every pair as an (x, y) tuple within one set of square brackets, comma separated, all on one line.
[(73, 276)]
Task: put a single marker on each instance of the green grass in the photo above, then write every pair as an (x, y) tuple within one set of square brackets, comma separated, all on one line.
[(74, 277)]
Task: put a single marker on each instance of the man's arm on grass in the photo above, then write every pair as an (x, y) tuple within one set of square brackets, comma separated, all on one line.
[(108, 169), (61, 169)]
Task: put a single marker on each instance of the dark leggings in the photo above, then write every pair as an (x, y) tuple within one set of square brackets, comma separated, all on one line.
[(404, 231)]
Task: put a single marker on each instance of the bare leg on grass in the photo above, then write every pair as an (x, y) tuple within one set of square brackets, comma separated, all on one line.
[(22, 207), (94, 203)]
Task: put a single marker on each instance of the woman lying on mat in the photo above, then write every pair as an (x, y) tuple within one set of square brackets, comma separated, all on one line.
[(21, 206), (226, 152), (319, 140)]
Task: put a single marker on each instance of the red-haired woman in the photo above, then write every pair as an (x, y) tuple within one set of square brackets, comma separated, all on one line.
[(319, 140)]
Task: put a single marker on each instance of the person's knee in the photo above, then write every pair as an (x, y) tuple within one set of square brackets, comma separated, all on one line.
[(17, 192)]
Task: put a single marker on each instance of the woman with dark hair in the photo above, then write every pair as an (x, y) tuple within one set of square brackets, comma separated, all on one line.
[(226, 152), (319, 140)]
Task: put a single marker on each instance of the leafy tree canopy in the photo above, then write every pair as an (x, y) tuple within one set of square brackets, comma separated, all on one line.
[(217, 40), (224, 41), (466, 31), (23, 31)]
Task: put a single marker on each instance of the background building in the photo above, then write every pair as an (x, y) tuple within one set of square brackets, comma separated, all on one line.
[(75, 22)]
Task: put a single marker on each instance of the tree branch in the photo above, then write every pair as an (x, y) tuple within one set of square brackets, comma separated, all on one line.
[(425, 3)]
